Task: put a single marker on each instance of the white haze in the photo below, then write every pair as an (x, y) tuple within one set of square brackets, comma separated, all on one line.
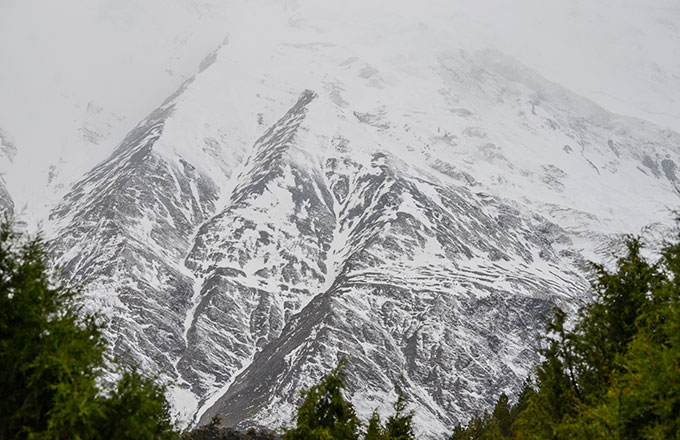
[(123, 57)]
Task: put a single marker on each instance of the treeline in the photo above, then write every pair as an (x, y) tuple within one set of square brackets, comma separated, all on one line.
[(614, 373)]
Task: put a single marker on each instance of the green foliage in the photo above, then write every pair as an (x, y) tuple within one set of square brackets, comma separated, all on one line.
[(137, 409), (52, 359), (606, 326), (495, 426), (642, 400), (399, 425), (616, 373), (325, 414), (502, 417), (375, 429), (557, 392)]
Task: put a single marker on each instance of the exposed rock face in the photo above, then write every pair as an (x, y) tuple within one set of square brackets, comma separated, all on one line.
[(434, 283), (251, 232)]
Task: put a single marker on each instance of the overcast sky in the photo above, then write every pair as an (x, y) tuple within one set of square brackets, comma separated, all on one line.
[(125, 56)]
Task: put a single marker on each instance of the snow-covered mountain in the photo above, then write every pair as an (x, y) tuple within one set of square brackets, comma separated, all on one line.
[(270, 218), (77, 75), (337, 185)]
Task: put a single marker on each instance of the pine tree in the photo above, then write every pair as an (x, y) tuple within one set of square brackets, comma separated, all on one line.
[(642, 400), (478, 428), (502, 416), (52, 360), (375, 429), (499, 425), (557, 394), (606, 326), (324, 413), (399, 425), (137, 409)]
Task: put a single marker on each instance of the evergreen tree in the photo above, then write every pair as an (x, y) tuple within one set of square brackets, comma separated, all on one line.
[(607, 325), (525, 395), (52, 360), (616, 373), (137, 409), (375, 430), (557, 393), (399, 425), (502, 417), (495, 426), (642, 400), (478, 428), (325, 414)]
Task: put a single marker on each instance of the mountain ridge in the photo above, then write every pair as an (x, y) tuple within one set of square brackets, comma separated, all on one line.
[(242, 270)]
